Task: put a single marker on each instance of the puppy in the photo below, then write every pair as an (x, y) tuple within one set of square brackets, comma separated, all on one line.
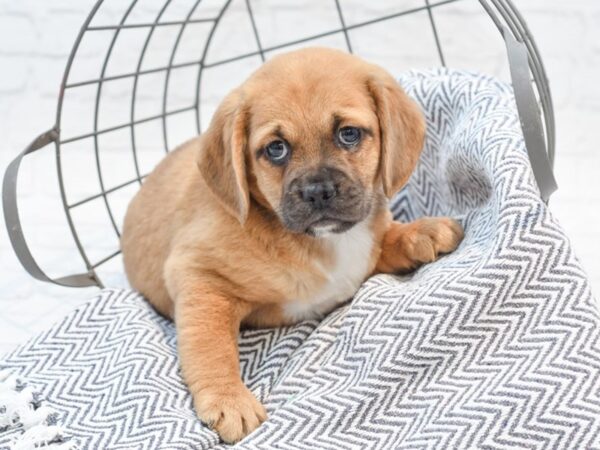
[(277, 213)]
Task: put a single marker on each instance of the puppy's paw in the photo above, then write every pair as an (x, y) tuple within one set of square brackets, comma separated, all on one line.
[(408, 246), (432, 236), (230, 410)]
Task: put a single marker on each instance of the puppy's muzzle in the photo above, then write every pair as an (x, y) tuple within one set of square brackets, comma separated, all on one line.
[(319, 194), (324, 198)]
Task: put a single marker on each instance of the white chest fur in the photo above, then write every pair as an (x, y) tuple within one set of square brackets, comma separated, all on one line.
[(352, 254)]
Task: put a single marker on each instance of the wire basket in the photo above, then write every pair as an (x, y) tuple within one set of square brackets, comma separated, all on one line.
[(144, 76)]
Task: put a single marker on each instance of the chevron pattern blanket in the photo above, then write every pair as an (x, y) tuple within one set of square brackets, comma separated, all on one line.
[(495, 346)]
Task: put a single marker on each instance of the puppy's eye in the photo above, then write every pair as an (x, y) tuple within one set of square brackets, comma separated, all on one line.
[(277, 151), (349, 136)]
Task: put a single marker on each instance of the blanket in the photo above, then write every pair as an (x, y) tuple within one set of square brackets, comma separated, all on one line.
[(496, 345)]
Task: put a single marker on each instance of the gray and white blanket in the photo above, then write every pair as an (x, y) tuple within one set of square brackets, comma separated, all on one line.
[(495, 346)]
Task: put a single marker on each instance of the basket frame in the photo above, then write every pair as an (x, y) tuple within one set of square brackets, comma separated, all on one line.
[(527, 74)]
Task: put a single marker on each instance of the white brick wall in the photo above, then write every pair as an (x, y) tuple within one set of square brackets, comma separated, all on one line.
[(35, 42)]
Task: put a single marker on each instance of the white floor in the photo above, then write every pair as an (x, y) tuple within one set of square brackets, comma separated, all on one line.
[(35, 40)]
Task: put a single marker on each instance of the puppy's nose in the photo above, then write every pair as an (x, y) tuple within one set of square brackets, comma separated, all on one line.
[(319, 195)]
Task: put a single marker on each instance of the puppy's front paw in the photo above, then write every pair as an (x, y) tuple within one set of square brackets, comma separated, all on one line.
[(231, 410), (408, 246), (432, 236)]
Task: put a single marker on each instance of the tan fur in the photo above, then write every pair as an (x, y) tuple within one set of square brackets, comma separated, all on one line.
[(202, 239)]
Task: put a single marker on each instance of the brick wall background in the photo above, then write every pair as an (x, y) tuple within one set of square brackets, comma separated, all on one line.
[(36, 38)]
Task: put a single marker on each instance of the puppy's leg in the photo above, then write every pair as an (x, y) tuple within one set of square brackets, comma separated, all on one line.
[(407, 246), (207, 327)]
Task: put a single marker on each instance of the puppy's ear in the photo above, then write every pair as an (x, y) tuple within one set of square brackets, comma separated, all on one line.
[(402, 128), (222, 157)]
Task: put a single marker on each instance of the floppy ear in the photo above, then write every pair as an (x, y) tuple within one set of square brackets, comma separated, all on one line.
[(402, 129), (221, 159)]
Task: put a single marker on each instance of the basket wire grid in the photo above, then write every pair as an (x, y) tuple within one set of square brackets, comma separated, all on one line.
[(532, 95)]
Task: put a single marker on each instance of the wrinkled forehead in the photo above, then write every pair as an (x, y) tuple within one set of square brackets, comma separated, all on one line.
[(296, 108)]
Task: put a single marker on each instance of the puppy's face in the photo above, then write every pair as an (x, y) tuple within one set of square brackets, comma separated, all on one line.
[(315, 136), (314, 149)]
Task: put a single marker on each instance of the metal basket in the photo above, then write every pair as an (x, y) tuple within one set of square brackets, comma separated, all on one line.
[(136, 32)]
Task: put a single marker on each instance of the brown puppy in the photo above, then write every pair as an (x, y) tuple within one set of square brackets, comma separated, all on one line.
[(277, 213)]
